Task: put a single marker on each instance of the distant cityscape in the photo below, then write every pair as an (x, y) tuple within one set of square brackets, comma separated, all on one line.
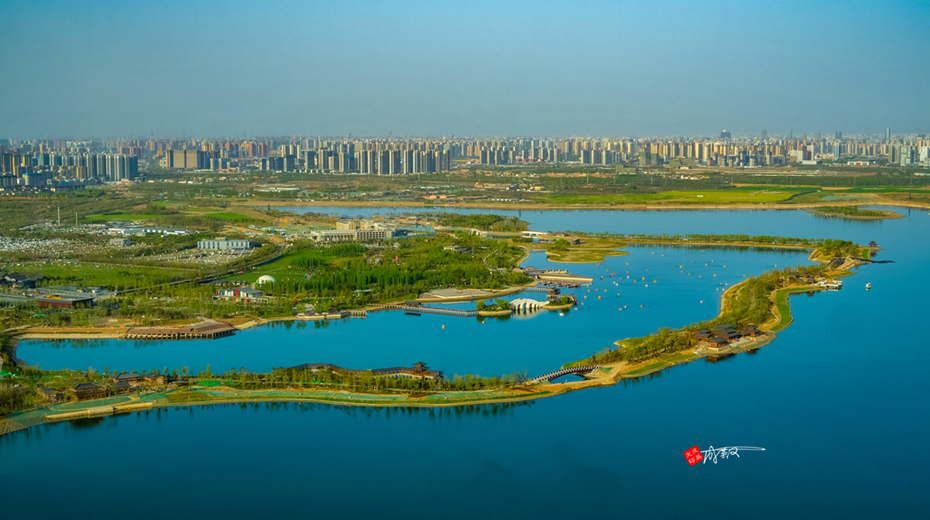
[(57, 164)]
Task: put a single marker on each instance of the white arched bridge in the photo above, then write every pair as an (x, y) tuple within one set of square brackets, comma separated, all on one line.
[(526, 304), (564, 372)]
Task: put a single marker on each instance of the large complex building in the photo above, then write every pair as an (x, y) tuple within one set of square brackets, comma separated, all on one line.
[(355, 231), (223, 244), (186, 160)]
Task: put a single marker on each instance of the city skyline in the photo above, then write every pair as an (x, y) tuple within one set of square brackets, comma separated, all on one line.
[(474, 68)]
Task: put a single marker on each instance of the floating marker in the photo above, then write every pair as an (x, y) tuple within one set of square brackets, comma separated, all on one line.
[(640, 306), (598, 297), (702, 301), (443, 327)]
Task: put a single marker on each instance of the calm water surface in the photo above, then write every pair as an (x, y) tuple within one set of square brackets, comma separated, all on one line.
[(838, 401)]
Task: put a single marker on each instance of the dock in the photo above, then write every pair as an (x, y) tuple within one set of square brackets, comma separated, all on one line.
[(205, 330)]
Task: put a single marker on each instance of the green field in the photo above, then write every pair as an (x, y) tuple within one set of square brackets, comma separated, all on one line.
[(229, 215), (127, 216), (784, 309), (223, 215), (583, 256), (280, 269), (741, 195), (100, 275), (663, 361)]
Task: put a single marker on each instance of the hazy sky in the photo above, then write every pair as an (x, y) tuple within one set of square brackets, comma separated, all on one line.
[(662, 67)]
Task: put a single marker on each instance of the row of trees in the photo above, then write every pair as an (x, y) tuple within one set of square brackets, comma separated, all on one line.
[(698, 237), (498, 305), (486, 222)]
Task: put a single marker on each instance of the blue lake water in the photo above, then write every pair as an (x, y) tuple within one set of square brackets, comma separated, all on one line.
[(838, 401)]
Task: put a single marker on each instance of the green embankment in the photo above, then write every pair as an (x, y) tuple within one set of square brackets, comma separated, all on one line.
[(784, 309)]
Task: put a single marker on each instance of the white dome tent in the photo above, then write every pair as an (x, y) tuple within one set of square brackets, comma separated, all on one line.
[(264, 279)]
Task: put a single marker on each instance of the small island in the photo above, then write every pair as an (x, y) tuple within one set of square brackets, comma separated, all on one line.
[(854, 213)]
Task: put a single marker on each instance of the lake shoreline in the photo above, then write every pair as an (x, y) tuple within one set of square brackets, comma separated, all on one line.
[(538, 206)]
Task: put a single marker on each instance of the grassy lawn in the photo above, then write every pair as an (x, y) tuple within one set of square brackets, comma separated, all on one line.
[(584, 256), (127, 216), (743, 195), (866, 253), (784, 310), (663, 361), (740, 195), (280, 269), (591, 250), (229, 215), (602, 242), (97, 275)]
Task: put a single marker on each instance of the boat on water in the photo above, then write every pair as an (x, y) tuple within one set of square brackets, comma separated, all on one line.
[(868, 286)]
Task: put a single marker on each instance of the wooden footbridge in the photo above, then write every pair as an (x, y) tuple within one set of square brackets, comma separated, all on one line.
[(415, 309), (564, 372), (545, 290)]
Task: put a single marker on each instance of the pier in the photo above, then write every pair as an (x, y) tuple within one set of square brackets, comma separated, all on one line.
[(205, 330)]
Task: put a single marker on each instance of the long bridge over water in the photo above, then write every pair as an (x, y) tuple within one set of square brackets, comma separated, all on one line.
[(417, 309), (564, 372)]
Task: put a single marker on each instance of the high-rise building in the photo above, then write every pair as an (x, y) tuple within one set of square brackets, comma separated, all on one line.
[(839, 135), (790, 134), (724, 135), (186, 159), (765, 135), (888, 134)]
